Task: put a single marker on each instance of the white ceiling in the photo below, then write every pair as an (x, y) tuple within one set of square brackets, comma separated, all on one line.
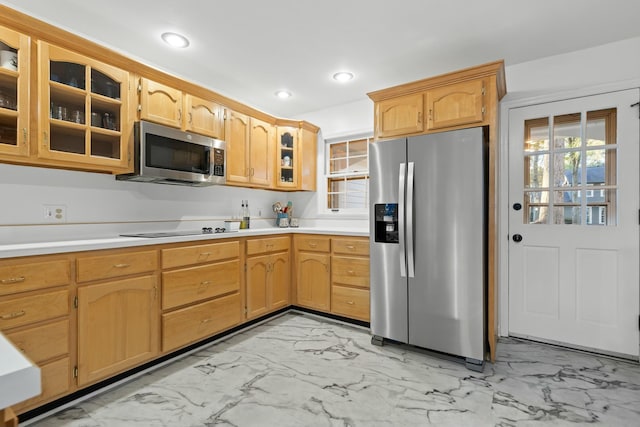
[(247, 50)]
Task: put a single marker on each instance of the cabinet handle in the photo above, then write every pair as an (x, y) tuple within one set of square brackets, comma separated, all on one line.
[(155, 292), (12, 280), (204, 254), (430, 115), (350, 302), (351, 247), (13, 315), (252, 171), (24, 135), (190, 118), (45, 139), (121, 265), (351, 272), (205, 283), (179, 115), (313, 244), (419, 116), (205, 321)]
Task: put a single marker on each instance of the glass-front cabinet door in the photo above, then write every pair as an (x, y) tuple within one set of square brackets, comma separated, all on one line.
[(84, 110), (287, 158), (14, 94)]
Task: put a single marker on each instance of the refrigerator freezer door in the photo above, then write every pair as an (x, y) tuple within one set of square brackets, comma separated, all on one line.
[(388, 287), (446, 297)]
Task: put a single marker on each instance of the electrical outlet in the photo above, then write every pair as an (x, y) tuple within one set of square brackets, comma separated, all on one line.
[(55, 213)]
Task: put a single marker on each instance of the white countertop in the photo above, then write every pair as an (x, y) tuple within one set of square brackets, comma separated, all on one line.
[(19, 378), (88, 244)]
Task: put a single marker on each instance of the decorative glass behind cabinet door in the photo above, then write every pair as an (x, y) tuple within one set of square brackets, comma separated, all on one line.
[(86, 110), (14, 93), (287, 158)]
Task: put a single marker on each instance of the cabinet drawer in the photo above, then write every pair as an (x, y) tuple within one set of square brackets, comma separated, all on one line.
[(27, 277), (55, 382), (271, 244), (350, 302), (350, 246), (193, 284), (191, 324), (313, 243), (121, 264), (43, 342), (350, 271), (35, 308), (178, 257)]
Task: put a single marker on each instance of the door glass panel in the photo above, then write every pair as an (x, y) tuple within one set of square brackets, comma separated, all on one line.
[(104, 85), (566, 131), (537, 167), (68, 73), (575, 170), (538, 138)]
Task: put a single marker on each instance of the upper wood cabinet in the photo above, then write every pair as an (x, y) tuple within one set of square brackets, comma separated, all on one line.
[(84, 111), (203, 117), (456, 104), (14, 94), (455, 100), (250, 151), (166, 105), (399, 116), (160, 103), (287, 160)]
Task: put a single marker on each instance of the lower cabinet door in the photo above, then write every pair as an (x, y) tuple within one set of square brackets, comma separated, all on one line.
[(280, 281), (55, 379), (118, 326), (258, 272), (191, 324), (313, 280)]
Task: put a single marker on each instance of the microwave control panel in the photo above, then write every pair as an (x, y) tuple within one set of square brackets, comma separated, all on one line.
[(218, 162)]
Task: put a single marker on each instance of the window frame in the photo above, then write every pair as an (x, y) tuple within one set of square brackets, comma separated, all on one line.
[(325, 194)]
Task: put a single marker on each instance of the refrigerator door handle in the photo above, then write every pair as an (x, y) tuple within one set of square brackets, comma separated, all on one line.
[(401, 225), (409, 227)]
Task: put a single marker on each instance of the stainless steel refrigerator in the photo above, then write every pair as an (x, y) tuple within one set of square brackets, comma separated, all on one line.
[(428, 242)]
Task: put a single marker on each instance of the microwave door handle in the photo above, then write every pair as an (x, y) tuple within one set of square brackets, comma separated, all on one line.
[(208, 162)]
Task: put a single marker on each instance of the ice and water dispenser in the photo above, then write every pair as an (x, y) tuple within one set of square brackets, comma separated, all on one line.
[(386, 223)]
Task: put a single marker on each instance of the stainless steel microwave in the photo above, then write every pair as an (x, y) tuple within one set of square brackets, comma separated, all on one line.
[(166, 155)]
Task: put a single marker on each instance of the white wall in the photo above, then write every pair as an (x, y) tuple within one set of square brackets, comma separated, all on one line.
[(97, 205)]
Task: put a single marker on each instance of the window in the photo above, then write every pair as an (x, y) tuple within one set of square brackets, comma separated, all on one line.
[(347, 175), (564, 157)]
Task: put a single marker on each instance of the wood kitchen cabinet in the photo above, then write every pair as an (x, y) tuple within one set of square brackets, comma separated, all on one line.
[(250, 151), (169, 106), (84, 111), (201, 291), (456, 105), (295, 155), (313, 271), (268, 275), (14, 95), (350, 277), (35, 315), (118, 319), (456, 100), (401, 115)]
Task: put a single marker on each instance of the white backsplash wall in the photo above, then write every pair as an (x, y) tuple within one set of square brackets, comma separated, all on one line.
[(97, 205)]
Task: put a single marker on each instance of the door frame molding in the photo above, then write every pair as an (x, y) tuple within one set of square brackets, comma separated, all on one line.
[(506, 105)]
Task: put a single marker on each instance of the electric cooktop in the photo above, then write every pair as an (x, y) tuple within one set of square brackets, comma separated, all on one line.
[(205, 230)]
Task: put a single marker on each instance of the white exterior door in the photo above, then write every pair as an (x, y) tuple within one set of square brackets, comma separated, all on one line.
[(573, 223)]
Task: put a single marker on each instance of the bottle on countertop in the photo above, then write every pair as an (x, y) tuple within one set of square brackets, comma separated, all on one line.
[(246, 217), (241, 214)]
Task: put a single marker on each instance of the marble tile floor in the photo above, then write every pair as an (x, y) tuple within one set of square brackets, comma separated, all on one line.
[(300, 370)]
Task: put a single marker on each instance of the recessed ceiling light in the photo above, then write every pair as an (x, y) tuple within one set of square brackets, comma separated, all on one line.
[(343, 76), (175, 40), (283, 94)]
